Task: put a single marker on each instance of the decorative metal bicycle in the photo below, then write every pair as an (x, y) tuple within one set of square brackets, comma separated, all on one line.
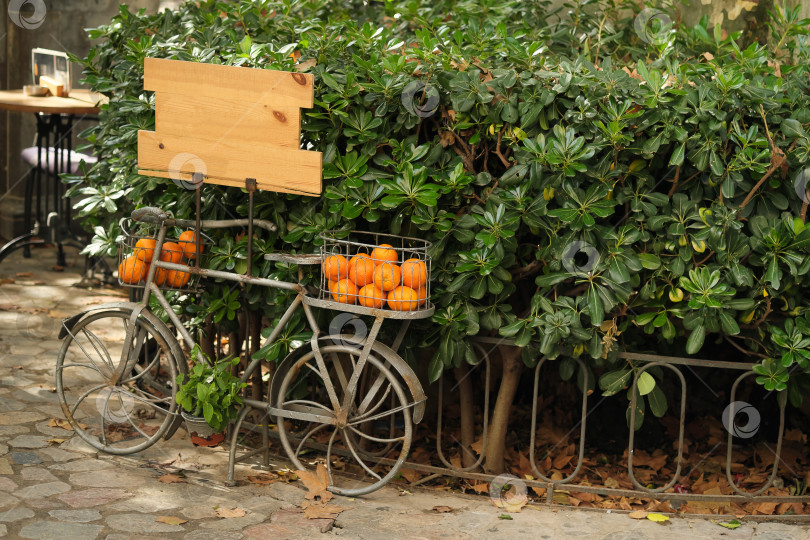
[(350, 398)]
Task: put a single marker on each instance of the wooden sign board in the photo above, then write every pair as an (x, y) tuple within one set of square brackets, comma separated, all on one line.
[(229, 123)]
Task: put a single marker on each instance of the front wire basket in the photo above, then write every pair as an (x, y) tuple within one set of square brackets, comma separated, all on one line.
[(378, 271), (138, 258)]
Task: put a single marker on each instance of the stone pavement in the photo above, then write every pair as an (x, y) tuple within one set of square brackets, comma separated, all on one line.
[(53, 486)]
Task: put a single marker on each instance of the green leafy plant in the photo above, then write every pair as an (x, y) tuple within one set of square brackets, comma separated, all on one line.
[(508, 135), (210, 390)]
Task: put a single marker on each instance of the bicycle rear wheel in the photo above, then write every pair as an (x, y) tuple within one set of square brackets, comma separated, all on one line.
[(362, 446), (113, 411)]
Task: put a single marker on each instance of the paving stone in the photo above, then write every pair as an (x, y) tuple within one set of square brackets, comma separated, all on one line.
[(31, 474), (110, 479), (7, 500), (627, 535), (29, 349), (82, 465), (76, 444), (26, 458), (42, 490), (16, 514), (20, 417), (92, 497), (263, 504), (57, 454), (5, 466), (199, 512), (43, 504), (286, 523), (29, 441), (39, 394), (57, 530), (16, 379), (151, 501), (8, 405), (232, 524), (778, 531), (7, 484), (208, 535), (3, 530), (140, 523), (9, 431), (50, 431), (3, 449), (76, 516)]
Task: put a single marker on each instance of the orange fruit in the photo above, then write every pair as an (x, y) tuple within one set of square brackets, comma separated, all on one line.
[(160, 276), (371, 296), (414, 273), (335, 267), (384, 253), (132, 269), (403, 299), (344, 291), (188, 242), (421, 295), (361, 269), (145, 249), (177, 279), (171, 252), (387, 276)]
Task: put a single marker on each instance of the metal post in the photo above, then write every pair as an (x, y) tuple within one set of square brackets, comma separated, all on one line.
[(250, 186)]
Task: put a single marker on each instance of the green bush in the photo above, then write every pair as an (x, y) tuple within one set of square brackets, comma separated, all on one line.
[(589, 187)]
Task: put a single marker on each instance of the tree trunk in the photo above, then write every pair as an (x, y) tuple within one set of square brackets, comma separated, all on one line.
[(496, 439), (465, 395), (207, 338)]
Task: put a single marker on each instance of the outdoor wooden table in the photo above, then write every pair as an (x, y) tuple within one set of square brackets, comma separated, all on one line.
[(55, 117)]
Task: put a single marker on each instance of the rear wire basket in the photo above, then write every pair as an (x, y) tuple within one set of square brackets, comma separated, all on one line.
[(343, 251), (127, 248)]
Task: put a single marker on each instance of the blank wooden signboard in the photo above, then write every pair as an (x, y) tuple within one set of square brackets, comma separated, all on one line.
[(229, 123)]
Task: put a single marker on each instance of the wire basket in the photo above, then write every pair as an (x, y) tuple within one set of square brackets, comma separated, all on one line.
[(135, 252), (376, 271)]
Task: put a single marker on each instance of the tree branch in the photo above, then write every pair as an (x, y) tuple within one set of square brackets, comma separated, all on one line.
[(498, 153), (675, 182)]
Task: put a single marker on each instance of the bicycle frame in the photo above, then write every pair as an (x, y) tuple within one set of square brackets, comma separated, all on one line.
[(151, 289)]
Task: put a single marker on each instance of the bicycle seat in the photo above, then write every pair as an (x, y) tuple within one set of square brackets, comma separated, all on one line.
[(295, 258)]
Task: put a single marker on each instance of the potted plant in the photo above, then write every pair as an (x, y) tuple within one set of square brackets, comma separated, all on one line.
[(209, 396)]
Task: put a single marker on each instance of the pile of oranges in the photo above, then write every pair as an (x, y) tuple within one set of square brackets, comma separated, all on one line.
[(376, 279), (134, 268)]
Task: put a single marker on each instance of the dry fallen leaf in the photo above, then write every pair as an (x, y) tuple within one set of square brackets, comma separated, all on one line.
[(441, 509), (55, 441), (316, 483), (60, 423), (306, 64), (24, 274), (640, 514), (264, 478), (318, 511), (171, 479), (658, 518), (171, 520), (230, 513)]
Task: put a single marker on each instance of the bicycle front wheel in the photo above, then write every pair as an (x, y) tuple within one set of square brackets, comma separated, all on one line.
[(118, 394)]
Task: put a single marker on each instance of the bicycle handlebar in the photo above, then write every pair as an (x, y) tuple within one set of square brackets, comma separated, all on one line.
[(150, 214)]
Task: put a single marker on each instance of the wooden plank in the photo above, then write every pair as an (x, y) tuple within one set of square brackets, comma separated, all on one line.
[(230, 162), (226, 118), (55, 87), (285, 89)]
